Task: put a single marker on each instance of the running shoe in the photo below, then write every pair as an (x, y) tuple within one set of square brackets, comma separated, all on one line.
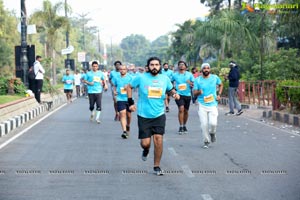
[(124, 135), (92, 117), (98, 121), (180, 131), (158, 171), (185, 131), (145, 154), (229, 113), (239, 112), (205, 146), (167, 109), (213, 137)]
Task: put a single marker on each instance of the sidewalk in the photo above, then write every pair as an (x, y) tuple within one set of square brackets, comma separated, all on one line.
[(17, 113)]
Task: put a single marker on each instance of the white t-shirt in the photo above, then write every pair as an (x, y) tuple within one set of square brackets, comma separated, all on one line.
[(38, 70), (77, 78)]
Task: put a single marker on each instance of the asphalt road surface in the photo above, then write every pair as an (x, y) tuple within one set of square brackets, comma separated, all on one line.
[(65, 156)]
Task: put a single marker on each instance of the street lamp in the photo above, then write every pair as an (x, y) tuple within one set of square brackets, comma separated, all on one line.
[(67, 37), (24, 59)]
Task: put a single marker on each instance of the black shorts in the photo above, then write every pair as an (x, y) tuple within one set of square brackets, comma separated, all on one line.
[(184, 101), (122, 105), (68, 90), (149, 127)]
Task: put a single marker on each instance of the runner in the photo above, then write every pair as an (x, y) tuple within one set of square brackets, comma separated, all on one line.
[(152, 88), (95, 80), (205, 88), (113, 74), (169, 73), (77, 81), (120, 91), (68, 81), (183, 81)]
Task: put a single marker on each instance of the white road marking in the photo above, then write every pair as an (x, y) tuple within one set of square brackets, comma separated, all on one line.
[(28, 128), (187, 171), (206, 197)]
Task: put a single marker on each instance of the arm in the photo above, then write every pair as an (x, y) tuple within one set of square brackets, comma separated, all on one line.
[(132, 107), (220, 91)]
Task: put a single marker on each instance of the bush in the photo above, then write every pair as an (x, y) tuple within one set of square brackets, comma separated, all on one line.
[(3, 85), (14, 85), (288, 93)]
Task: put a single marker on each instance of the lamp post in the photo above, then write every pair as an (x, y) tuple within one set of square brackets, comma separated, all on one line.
[(24, 59), (67, 37)]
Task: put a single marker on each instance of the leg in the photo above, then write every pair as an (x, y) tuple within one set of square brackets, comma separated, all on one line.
[(123, 119), (158, 149), (181, 115), (230, 97), (237, 105), (203, 116), (146, 143), (213, 120), (99, 108)]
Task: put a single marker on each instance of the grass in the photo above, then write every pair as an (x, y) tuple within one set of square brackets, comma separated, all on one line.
[(9, 98)]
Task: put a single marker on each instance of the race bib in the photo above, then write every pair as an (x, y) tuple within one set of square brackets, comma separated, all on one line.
[(182, 86), (208, 99), (154, 92), (96, 79), (123, 90), (68, 81)]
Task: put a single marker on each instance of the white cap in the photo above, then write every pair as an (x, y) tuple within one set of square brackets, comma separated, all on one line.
[(205, 65)]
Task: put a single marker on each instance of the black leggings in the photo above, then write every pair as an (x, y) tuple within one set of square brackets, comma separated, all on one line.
[(95, 98)]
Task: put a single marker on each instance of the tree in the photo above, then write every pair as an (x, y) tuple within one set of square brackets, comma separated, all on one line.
[(8, 35), (135, 47), (50, 22)]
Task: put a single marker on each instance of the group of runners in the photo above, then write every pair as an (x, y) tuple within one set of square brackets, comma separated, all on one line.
[(154, 88)]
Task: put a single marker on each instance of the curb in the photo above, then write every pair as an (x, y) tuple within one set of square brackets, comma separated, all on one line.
[(17, 121), (282, 117)]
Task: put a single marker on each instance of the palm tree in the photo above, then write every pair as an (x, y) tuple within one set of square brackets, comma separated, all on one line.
[(50, 22)]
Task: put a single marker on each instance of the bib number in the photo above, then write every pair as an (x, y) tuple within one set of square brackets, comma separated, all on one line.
[(208, 99), (123, 90), (182, 86), (96, 79), (154, 92)]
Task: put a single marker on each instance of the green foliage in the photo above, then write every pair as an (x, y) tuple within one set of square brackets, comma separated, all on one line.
[(49, 88), (282, 65), (15, 83), (3, 85), (288, 93)]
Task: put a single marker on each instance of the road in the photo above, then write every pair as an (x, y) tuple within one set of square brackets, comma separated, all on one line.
[(65, 156)]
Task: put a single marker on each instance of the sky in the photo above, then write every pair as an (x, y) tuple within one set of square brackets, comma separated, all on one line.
[(117, 19)]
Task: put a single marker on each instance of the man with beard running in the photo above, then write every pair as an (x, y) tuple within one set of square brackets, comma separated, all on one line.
[(205, 87), (169, 73), (152, 89)]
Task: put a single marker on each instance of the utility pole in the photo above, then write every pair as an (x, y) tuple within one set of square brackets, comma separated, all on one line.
[(67, 36), (24, 59)]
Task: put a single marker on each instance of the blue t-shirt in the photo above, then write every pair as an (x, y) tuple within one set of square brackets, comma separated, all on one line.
[(113, 74), (168, 73), (209, 88), (96, 77), (181, 84), (120, 83), (68, 82), (151, 90)]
